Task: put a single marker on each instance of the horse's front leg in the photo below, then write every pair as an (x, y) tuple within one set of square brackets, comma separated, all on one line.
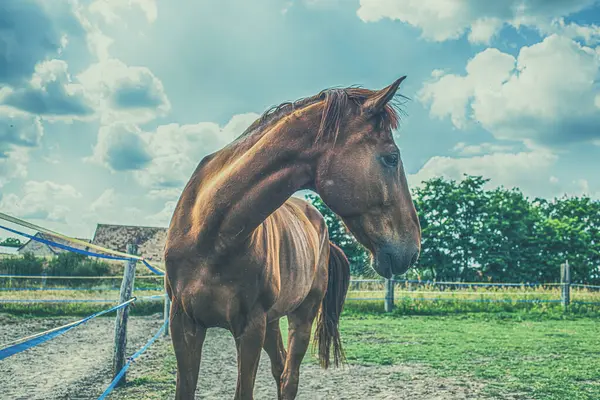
[(188, 338), (249, 345)]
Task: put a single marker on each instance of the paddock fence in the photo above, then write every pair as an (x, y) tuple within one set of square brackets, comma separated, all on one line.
[(126, 298), (392, 291), (106, 289)]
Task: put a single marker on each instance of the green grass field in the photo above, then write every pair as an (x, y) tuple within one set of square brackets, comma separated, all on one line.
[(540, 356)]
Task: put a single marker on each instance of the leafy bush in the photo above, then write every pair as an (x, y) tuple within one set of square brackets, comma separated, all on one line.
[(11, 242), (26, 265), (508, 310), (76, 309), (73, 264)]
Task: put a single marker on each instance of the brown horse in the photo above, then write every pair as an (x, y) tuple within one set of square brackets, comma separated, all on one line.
[(241, 253)]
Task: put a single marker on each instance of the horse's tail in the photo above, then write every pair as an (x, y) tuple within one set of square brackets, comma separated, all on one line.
[(327, 332)]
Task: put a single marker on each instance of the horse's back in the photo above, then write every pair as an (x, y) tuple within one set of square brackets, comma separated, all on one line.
[(292, 241)]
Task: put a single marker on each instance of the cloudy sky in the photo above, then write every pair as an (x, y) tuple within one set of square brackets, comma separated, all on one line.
[(106, 106)]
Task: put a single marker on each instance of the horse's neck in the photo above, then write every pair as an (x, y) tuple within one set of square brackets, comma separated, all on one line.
[(251, 179)]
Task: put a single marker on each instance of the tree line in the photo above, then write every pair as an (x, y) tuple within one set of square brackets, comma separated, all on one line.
[(10, 242), (470, 233)]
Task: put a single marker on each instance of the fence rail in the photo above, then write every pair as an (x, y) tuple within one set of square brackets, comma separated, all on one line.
[(390, 292), (120, 365)]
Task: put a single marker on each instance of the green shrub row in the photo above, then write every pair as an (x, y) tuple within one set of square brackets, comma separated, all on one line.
[(68, 264), (65, 264), (352, 309), (499, 310), (76, 309)]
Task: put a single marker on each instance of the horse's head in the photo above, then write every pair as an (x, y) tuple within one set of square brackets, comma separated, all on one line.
[(362, 179)]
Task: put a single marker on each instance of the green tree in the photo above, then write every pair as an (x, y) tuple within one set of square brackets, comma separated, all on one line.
[(573, 224), (437, 213), (452, 216), (75, 264), (26, 265), (11, 242), (511, 243)]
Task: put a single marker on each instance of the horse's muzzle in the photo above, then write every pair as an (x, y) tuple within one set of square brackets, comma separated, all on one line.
[(395, 260)]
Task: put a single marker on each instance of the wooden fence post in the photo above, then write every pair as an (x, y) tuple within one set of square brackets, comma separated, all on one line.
[(122, 315), (565, 280), (167, 310), (389, 295)]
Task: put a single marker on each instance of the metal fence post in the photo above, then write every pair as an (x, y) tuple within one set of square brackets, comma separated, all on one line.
[(565, 281), (122, 315), (389, 295), (167, 309)]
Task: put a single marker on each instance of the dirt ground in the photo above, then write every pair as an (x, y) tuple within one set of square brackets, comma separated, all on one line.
[(77, 365)]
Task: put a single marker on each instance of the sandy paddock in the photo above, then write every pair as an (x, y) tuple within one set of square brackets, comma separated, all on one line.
[(77, 365)]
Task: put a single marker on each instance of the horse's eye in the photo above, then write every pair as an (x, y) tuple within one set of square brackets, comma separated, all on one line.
[(391, 160)]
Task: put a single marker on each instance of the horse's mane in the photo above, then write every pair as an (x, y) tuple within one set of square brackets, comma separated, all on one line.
[(336, 101)]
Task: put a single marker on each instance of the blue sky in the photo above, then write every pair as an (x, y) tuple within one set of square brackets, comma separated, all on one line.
[(106, 106)]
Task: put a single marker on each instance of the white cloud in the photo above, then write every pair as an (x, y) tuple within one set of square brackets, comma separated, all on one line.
[(545, 96), (107, 200), (442, 20), (121, 147), (111, 207), (501, 168), (125, 93), (33, 79), (111, 12), (449, 94), (583, 185), (589, 34), (31, 32), (19, 132), (574, 187), (286, 7), (110, 9), (18, 129), (583, 188), (177, 149), (51, 93), (13, 165), (41, 200), (467, 150), (164, 160), (484, 29), (166, 193), (163, 217), (98, 42)]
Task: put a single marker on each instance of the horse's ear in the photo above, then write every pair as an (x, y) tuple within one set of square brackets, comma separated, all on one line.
[(376, 102)]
